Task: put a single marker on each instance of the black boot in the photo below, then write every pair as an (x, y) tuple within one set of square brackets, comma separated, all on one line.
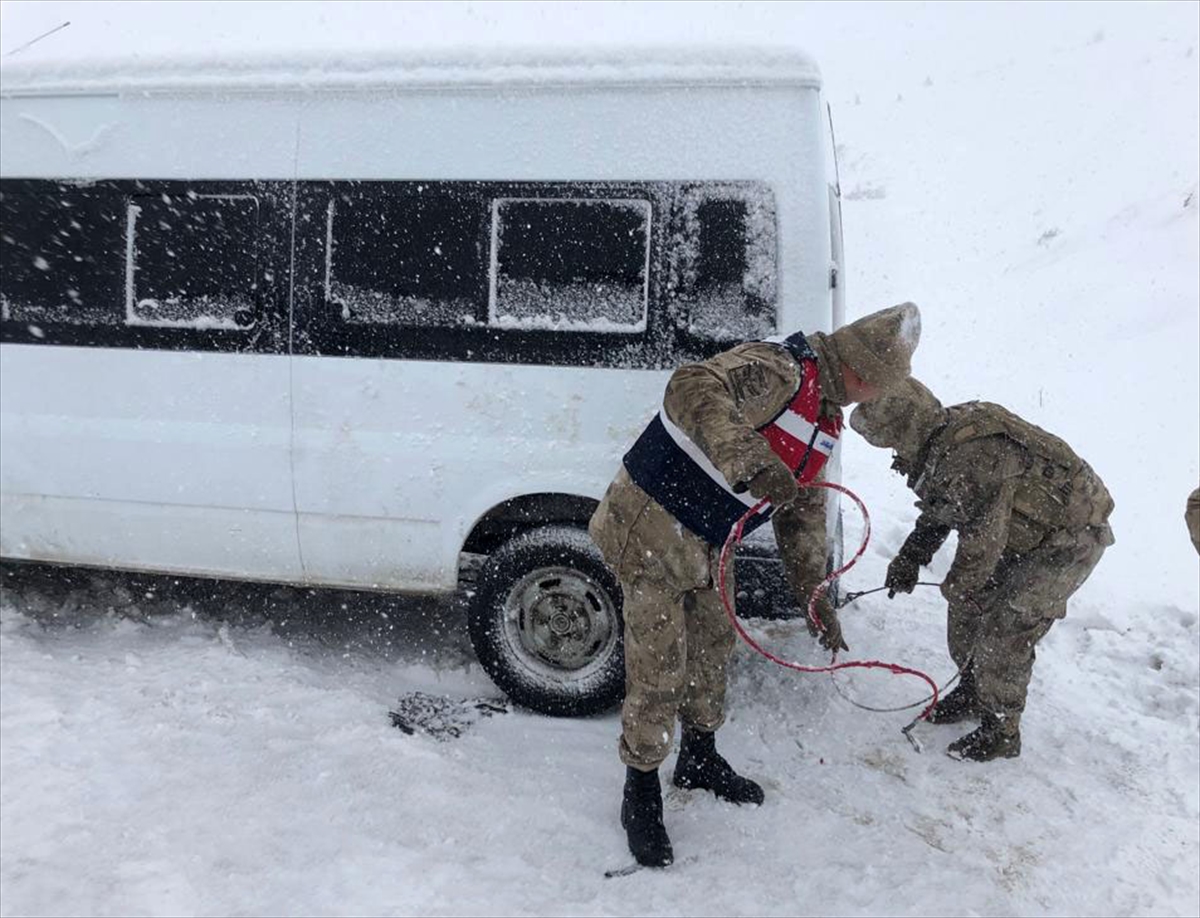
[(960, 704), (995, 738), (700, 766), (642, 817)]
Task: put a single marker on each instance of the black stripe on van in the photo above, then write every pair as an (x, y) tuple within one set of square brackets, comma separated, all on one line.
[(613, 274)]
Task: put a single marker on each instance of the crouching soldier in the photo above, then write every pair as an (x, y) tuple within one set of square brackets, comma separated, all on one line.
[(733, 430), (1032, 522)]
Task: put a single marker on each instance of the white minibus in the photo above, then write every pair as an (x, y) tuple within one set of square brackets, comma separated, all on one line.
[(384, 327)]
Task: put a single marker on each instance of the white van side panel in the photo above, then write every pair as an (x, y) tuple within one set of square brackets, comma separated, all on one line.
[(147, 137), (397, 460), (150, 459)]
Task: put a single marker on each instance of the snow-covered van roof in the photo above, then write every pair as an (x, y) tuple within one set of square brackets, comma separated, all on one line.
[(311, 70)]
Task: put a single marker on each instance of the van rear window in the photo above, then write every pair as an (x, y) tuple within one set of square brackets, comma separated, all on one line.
[(570, 265), (724, 261)]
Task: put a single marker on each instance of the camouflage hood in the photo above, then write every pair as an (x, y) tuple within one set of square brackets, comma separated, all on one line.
[(879, 347), (902, 419)]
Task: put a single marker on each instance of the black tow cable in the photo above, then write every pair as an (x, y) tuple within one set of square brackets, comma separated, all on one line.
[(851, 597)]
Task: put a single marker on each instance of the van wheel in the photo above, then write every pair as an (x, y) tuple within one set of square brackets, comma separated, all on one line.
[(546, 623)]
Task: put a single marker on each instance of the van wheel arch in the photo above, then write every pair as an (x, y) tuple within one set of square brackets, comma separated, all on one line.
[(517, 515)]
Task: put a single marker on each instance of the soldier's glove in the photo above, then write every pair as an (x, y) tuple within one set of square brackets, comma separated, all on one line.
[(831, 638), (774, 483), (902, 575)]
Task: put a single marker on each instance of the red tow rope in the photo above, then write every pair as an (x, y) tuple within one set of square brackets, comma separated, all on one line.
[(735, 537)]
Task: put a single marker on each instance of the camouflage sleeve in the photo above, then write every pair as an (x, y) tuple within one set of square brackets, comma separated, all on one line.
[(923, 542), (800, 533), (980, 481), (720, 402)]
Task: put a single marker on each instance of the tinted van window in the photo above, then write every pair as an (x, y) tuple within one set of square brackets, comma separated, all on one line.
[(412, 256), (62, 256), (724, 261), (194, 261), (571, 265)]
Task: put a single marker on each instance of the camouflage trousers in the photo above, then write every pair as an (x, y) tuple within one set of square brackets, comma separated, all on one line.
[(677, 645), (996, 630)]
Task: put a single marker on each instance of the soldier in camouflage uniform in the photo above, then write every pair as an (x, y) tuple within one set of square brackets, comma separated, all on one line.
[(1032, 522), (1192, 516), (734, 429)]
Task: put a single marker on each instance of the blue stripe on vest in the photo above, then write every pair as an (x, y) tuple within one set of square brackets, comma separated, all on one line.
[(664, 471)]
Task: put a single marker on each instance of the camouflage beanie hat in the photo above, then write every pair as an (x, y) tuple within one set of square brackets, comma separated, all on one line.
[(879, 347), (902, 419)]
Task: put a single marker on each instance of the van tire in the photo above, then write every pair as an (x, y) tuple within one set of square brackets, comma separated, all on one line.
[(546, 623)]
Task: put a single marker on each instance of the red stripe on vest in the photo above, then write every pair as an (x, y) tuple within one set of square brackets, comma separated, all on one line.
[(804, 406)]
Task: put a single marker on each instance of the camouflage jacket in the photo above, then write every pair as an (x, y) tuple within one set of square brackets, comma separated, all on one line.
[(719, 403), (1004, 485)]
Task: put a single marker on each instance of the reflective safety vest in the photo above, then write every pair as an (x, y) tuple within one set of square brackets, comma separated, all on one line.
[(672, 469)]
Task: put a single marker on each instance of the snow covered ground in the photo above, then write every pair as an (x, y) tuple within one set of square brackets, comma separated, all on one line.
[(1028, 175)]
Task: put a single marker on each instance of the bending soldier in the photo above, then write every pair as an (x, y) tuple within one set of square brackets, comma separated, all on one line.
[(1032, 522), (735, 429)]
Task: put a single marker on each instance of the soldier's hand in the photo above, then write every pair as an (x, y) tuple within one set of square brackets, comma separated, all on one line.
[(902, 575), (776, 484), (831, 638)]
